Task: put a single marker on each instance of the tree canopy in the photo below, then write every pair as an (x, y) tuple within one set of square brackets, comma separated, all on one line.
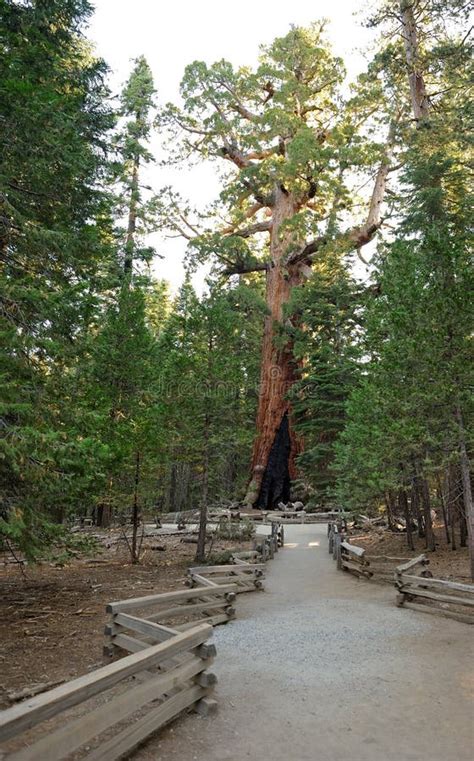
[(290, 374)]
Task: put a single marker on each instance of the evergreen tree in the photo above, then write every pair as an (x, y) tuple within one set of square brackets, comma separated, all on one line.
[(134, 200), (407, 421), (55, 117), (328, 313)]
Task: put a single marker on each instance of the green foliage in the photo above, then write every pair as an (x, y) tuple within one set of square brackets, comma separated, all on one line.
[(208, 355), (133, 199), (55, 117), (418, 339), (102, 370), (328, 313)]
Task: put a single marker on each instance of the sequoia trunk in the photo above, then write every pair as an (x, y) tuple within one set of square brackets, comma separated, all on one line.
[(276, 445)]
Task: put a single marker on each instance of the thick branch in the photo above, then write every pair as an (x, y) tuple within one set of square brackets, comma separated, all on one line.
[(246, 232), (243, 269), (359, 236), (238, 105), (243, 160)]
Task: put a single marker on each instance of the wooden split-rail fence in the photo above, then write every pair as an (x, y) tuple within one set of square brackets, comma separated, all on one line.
[(110, 711), (247, 568), (160, 659), (181, 610), (301, 516), (421, 592)]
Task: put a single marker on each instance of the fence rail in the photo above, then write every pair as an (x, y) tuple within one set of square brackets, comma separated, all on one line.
[(173, 672), (419, 592), (160, 641), (183, 609), (247, 568), (439, 596), (301, 516)]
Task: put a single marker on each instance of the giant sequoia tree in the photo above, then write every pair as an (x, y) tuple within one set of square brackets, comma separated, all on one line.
[(288, 141)]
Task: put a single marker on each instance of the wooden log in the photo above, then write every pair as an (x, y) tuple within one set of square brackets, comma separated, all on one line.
[(206, 707), (187, 609), (29, 692), (211, 570), (236, 579), (157, 632), (249, 555), (436, 611), (219, 618), (56, 745), (439, 583), (416, 591), (124, 742), (202, 581), (352, 549), (360, 570), (338, 553), (331, 543), (247, 588), (159, 599), (387, 558), (420, 560), (129, 644), (206, 679), (48, 704), (206, 651)]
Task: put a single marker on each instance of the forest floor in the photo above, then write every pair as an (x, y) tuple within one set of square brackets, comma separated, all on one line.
[(52, 618), (445, 563), (323, 665)]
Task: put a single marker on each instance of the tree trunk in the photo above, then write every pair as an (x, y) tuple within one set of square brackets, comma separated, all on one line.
[(442, 498), (276, 445), (425, 494), (390, 504), (452, 505), (135, 514), (132, 221), (415, 506), (466, 486), (419, 98), (201, 542), (405, 510)]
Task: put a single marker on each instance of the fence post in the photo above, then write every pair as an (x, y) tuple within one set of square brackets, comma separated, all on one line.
[(338, 552)]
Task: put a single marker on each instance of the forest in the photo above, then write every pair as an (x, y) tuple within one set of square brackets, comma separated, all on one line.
[(290, 375)]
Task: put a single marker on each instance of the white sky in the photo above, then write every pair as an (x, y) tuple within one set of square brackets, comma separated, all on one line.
[(173, 34)]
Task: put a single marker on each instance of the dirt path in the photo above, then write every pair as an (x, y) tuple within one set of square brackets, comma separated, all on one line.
[(323, 666)]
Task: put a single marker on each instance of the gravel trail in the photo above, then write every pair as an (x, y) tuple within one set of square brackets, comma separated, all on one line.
[(324, 666)]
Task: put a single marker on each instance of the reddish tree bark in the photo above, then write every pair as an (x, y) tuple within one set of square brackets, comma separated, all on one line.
[(278, 371)]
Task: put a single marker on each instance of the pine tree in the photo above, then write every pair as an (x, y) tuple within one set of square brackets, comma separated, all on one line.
[(133, 199), (407, 420), (328, 313), (55, 118)]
